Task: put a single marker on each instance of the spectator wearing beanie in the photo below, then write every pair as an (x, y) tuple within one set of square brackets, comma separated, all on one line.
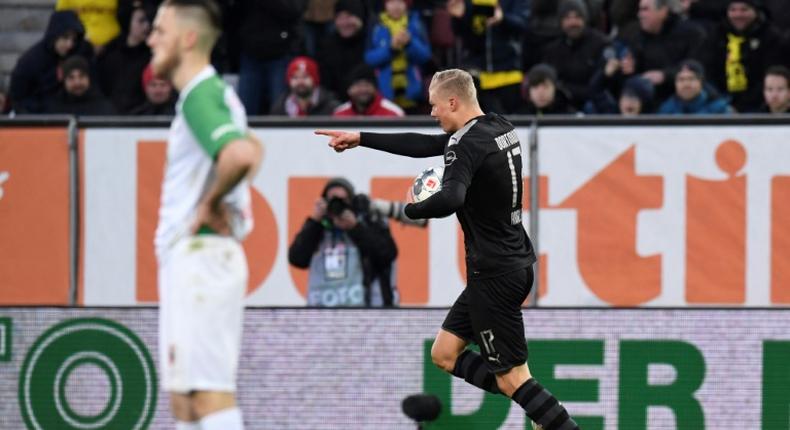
[(78, 96), (692, 96), (491, 37), (305, 97), (546, 97), (364, 97), (123, 60), (636, 97), (344, 48), (34, 80), (269, 37), (577, 53), (398, 47), (160, 99), (741, 49)]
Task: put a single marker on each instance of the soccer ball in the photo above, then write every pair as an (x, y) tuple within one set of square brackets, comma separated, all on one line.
[(427, 183)]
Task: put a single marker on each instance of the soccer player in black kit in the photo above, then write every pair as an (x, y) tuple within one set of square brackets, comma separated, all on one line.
[(482, 184)]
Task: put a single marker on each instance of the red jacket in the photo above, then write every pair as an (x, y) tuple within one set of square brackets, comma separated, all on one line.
[(379, 107)]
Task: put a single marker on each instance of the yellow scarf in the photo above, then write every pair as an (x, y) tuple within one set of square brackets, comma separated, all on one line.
[(399, 62), (736, 74)]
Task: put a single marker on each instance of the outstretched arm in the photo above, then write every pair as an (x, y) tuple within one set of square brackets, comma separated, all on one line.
[(408, 144)]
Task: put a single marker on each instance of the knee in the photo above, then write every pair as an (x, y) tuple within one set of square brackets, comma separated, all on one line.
[(443, 359)]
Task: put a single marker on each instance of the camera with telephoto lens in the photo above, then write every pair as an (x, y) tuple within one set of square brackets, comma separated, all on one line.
[(336, 205), (362, 205)]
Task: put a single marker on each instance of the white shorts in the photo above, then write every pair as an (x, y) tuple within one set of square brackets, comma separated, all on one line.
[(202, 283)]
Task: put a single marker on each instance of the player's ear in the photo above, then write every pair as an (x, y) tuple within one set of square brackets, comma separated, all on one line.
[(190, 38), (453, 102)]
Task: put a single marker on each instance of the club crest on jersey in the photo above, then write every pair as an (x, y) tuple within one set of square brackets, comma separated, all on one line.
[(449, 158)]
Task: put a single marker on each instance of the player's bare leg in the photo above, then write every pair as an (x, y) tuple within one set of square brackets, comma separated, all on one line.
[(446, 349), (509, 381), (449, 353), (181, 405), (205, 403), (216, 410)]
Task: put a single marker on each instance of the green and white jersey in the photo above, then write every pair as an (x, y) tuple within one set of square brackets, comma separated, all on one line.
[(209, 115)]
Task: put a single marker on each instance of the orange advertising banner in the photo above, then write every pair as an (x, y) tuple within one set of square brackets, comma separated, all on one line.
[(34, 216)]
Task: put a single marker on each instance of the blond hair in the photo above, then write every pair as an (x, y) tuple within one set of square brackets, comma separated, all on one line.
[(203, 15), (455, 82)]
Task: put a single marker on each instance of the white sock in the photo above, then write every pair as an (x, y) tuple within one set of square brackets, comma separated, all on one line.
[(183, 425), (226, 419)]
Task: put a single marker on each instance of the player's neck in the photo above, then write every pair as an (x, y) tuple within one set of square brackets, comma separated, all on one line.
[(467, 115), (189, 68)]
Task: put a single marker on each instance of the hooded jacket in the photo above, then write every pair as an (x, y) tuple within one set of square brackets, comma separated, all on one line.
[(120, 66), (34, 80)]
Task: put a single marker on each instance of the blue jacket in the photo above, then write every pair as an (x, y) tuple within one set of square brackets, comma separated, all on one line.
[(418, 51), (702, 104)]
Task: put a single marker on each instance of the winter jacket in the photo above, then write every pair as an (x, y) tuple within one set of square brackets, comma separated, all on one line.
[(34, 80), (576, 62), (678, 40), (90, 103), (369, 255), (270, 29), (380, 55), (323, 103), (379, 107), (336, 56), (120, 69), (762, 46), (496, 48), (704, 103)]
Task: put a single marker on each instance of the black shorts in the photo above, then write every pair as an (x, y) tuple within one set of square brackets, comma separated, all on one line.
[(488, 313)]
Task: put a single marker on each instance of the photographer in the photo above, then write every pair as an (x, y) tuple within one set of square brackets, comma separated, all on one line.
[(348, 249)]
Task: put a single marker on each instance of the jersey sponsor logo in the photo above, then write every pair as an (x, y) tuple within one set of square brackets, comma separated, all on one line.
[(449, 158), (223, 130), (507, 140)]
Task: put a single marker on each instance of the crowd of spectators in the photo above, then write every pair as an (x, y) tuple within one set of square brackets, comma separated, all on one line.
[(375, 57)]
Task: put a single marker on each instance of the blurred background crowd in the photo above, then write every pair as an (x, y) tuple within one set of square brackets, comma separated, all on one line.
[(376, 57)]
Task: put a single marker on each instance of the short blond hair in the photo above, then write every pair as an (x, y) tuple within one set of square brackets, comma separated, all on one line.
[(205, 16), (455, 82)]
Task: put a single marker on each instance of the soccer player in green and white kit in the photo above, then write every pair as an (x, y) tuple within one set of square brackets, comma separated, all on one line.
[(205, 213)]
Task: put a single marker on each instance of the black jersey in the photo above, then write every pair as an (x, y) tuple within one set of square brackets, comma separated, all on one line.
[(482, 184)]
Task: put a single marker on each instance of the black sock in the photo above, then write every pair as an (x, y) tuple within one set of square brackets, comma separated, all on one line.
[(473, 369), (543, 408)]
